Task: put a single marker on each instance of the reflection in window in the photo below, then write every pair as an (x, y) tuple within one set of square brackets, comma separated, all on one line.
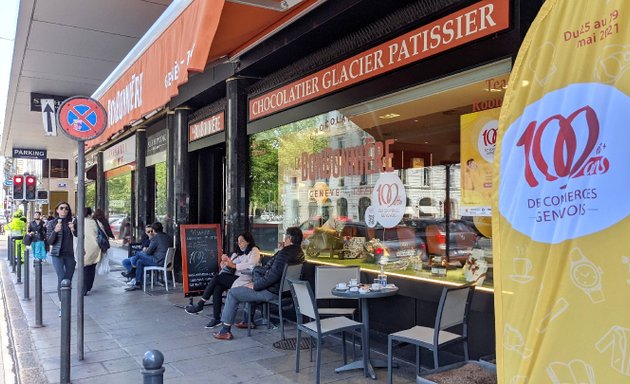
[(161, 189), (364, 203), (342, 207), (322, 170)]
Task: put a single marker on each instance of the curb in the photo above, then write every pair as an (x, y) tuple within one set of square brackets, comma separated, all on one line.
[(25, 359)]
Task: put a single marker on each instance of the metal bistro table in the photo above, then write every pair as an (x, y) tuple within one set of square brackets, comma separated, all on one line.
[(358, 364)]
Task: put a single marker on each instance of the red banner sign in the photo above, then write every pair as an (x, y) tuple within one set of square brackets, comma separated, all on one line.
[(469, 24), (210, 126)]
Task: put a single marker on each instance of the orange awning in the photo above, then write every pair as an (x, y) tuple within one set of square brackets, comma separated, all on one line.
[(203, 32)]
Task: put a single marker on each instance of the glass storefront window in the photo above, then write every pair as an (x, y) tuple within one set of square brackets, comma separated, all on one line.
[(161, 190), (119, 206), (90, 195), (319, 174)]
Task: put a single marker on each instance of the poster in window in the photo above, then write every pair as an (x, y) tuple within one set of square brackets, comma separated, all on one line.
[(478, 139)]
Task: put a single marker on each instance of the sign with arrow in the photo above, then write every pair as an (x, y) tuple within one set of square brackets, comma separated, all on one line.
[(49, 117)]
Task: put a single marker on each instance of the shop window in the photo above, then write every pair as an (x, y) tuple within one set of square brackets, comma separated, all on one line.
[(312, 209), (422, 135), (161, 190), (364, 203), (56, 168), (342, 207), (90, 195)]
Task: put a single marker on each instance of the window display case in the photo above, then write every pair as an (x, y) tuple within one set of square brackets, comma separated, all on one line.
[(321, 174)]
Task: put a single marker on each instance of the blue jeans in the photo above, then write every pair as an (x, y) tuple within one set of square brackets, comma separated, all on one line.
[(143, 260), (64, 267), (130, 262), (242, 295)]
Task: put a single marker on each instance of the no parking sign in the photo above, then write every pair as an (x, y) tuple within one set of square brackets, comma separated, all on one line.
[(81, 118)]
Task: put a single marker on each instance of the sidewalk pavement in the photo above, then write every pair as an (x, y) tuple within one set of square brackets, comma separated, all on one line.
[(121, 326)]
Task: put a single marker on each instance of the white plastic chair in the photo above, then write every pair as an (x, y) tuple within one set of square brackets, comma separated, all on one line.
[(167, 267)]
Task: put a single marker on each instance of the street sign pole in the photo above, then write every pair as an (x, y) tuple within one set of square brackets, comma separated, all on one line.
[(81, 118), (80, 245)]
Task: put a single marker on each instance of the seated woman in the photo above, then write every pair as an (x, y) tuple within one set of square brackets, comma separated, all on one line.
[(230, 276)]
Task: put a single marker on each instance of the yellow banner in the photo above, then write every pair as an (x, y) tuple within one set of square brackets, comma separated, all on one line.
[(562, 172), (478, 140)]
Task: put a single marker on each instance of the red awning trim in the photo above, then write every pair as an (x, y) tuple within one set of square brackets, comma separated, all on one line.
[(153, 79)]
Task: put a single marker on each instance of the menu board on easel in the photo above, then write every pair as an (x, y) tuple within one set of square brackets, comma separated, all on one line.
[(201, 247)]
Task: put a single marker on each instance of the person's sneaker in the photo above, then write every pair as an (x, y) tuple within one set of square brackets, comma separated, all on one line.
[(223, 335), (213, 323), (132, 282), (194, 308), (133, 288), (60, 313), (124, 274)]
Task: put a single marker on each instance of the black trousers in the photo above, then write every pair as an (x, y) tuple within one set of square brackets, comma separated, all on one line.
[(89, 272), (216, 287)]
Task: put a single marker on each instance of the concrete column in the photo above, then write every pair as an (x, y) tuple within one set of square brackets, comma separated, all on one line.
[(178, 177), (237, 162), (140, 183), (101, 186)]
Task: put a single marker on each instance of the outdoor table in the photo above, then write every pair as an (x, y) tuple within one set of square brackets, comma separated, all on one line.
[(358, 364)]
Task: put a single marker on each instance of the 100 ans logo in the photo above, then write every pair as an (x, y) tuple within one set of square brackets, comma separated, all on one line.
[(566, 162), (388, 194)]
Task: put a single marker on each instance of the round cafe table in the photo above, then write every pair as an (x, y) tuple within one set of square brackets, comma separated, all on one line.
[(364, 297)]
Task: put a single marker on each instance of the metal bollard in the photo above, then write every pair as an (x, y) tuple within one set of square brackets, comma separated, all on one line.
[(18, 262), (27, 283), (10, 249), (12, 261), (64, 366), (153, 372), (38, 293)]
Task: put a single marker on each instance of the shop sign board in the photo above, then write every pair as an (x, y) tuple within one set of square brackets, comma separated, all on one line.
[(156, 147), (206, 127), (29, 153), (471, 23), (201, 250), (120, 154), (81, 118), (561, 219)]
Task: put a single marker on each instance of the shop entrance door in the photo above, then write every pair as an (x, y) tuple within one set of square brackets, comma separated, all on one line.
[(207, 185)]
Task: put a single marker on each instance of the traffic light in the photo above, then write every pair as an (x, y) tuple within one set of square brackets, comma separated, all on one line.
[(18, 187), (31, 188)]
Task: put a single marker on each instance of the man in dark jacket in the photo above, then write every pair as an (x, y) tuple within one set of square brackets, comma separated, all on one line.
[(154, 254), (266, 281)]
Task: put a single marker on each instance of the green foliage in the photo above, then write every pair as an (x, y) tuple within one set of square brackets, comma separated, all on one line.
[(119, 194), (90, 195), (161, 189)]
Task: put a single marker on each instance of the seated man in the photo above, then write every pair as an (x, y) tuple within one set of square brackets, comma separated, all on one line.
[(265, 281), (130, 262), (154, 255)]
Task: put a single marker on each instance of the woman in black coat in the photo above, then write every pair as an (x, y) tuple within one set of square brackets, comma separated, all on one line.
[(60, 236)]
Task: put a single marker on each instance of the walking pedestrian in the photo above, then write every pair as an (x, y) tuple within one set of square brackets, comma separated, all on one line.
[(60, 235)]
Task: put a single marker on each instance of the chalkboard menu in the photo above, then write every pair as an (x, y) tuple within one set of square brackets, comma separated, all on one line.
[(201, 247)]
